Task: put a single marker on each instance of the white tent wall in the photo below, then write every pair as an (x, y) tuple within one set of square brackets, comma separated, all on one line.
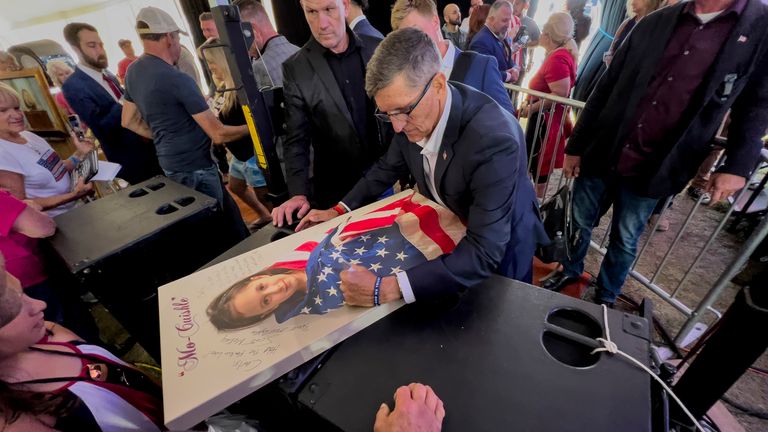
[(113, 19)]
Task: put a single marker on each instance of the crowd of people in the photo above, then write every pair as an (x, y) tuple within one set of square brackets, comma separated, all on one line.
[(425, 105)]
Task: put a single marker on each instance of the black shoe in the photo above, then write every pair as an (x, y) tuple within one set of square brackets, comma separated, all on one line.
[(559, 281), (608, 304)]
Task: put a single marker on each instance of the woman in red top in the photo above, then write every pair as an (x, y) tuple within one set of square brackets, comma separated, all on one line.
[(556, 76)]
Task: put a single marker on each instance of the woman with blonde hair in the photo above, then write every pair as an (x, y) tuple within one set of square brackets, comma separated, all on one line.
[(29, 167), (244, 174), (59, 72), (556, 76)]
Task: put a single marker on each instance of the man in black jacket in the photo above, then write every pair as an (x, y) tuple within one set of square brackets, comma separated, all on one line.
[(647, 126), (327, 109)]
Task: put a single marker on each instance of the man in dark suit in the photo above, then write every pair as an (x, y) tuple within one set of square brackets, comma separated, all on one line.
[(95, 95), (466, 154), (358, 22), (476, 70), (647, 126), (327, 109), (492, 40)]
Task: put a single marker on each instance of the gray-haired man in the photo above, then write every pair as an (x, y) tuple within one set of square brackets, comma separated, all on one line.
[(269, 49), (466, 153)]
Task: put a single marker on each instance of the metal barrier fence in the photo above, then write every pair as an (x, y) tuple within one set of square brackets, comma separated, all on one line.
[(694, 313)]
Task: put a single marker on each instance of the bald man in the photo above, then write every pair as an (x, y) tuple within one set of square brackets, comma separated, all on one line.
[(452, 27)]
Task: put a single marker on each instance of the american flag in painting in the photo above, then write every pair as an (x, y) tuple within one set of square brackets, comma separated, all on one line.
[(393, 238)]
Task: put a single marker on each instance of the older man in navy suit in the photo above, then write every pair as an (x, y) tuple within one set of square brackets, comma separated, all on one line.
[(473, 69), (95, 94), (466, 154), (492, 40)]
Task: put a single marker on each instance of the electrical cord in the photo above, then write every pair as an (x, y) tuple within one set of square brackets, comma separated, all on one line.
[(611, 347)]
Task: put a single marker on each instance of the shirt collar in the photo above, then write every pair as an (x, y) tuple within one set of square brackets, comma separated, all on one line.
[(494, 34), (432, 144), (448, 60), (736, 7), (91, 72), (356, 21), (266, 44), (353, 45)]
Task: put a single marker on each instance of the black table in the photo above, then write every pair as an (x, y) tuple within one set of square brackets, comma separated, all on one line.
[(492, 357)]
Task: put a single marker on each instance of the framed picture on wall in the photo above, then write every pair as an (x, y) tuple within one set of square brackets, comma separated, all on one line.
[(40, 111)]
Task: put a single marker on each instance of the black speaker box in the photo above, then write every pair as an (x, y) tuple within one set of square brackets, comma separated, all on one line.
[(507, 357), (124, 246)]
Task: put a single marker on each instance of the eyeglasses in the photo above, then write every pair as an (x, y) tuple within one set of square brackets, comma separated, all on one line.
[(405, 114)]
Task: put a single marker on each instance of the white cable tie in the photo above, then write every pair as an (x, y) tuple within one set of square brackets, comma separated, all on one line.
[(609, 346)]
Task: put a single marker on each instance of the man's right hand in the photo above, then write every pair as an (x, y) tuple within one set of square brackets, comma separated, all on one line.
[(514, 73), (284, 213), (417, 409), (316, 217), (571, 166)]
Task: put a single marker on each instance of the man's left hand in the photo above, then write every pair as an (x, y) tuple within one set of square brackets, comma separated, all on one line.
[(357, 286), (723, 185)]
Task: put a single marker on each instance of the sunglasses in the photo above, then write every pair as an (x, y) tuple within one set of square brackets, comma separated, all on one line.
[(405, 114)]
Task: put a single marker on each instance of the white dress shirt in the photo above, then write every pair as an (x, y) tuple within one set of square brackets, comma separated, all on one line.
[(354, 22), (448, 60), (98, 77), (430, 150)]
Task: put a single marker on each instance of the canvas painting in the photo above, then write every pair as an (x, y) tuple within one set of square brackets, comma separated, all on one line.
[(228, 330), (37, 104)]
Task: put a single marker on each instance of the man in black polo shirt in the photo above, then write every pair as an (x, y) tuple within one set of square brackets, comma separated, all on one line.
[(327, 109)]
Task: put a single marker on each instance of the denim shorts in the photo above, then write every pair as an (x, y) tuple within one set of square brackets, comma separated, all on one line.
[(248, 171)]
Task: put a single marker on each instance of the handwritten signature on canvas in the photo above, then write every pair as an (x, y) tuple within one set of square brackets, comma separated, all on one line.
[(186, 328)]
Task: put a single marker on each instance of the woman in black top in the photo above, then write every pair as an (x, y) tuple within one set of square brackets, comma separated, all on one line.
[(244, 173)]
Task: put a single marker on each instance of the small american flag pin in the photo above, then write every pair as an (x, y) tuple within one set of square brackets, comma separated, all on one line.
[(742, 39), (445, 155)]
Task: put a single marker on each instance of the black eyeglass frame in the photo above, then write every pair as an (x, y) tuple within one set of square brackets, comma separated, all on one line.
[(387, 116)]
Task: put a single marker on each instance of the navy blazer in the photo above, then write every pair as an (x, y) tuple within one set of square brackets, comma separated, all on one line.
[(487, 43), (364, 27), (481, 176), (102, 114), (604, 124), (479, 72)]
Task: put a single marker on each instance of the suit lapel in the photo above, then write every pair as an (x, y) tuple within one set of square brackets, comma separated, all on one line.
[(320, 65), (89, 81), (451, 135)]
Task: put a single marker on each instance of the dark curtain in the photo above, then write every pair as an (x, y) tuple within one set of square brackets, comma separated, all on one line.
[(378, 12), (291, 22), (192, 10), (591, 65)]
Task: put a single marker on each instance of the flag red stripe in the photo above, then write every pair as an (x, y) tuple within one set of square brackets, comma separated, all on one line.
[(307, 247), (429, 222)]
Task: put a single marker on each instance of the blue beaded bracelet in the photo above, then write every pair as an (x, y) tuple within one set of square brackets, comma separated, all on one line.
[(75, 160), (376, 288)]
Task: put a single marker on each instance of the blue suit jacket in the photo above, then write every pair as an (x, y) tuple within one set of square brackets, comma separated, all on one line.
[(481, 176), (480, 72), (487, 43), (102, 114), (364, 27)]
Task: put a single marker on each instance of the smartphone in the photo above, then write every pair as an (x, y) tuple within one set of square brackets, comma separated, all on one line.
[(76, 126), (520, 33)]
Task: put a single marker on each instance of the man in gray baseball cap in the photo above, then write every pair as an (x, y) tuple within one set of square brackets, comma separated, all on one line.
[(166, 104)]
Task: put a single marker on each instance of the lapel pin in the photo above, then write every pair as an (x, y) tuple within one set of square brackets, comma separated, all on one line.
[(445, 155), (742, 39)]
